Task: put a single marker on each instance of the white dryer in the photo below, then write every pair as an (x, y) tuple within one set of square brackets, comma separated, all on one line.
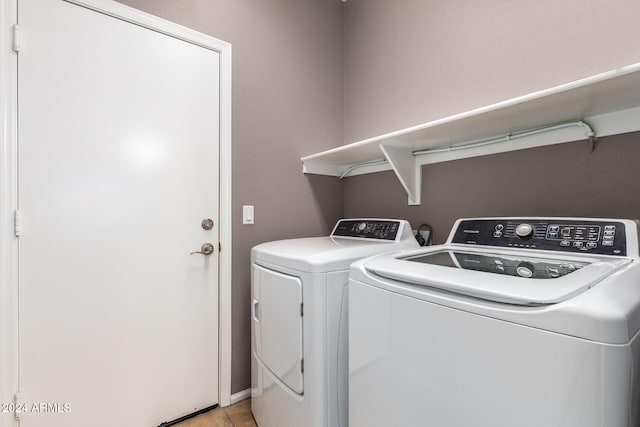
[(528, 322), (299, 321)]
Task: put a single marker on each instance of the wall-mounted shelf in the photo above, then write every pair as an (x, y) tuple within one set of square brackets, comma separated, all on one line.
[(609, 103)]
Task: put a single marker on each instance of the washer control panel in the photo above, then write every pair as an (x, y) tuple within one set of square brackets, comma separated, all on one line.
[(367, 228), (583, 236)]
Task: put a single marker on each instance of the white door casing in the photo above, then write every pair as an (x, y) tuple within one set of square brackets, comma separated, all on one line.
[(100, 192), (8, 204)]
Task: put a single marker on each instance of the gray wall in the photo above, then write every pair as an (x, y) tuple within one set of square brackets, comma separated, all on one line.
[(311, 74), (287, 103), (557, 180), (411, 61)]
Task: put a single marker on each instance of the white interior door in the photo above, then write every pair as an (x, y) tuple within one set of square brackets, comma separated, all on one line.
[(118, 166)]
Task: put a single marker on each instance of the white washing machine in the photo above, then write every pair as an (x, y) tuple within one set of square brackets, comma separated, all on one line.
[(527, 322), (299, 321)]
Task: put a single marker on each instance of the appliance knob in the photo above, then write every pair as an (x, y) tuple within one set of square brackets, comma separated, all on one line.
[(524, 230), (362, 226), (525, 269)]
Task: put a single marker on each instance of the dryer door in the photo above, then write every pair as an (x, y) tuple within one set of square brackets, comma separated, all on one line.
[(277, 317)]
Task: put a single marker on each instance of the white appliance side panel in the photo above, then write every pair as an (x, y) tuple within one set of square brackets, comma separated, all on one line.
[(635, 395), (337, 347), (280, 317), (417, 363)]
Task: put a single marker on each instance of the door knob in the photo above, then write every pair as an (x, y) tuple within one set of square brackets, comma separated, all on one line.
[(205, 249)]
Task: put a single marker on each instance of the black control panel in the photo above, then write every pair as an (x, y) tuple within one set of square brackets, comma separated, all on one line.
[(368, 229), (578, 236)]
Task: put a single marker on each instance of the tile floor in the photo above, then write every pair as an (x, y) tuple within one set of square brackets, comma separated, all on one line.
[(238, 415)]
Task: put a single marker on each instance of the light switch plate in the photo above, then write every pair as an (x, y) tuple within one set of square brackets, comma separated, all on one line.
[(247, 214)]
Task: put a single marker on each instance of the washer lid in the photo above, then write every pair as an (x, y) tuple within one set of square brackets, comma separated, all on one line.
[(506, 277)]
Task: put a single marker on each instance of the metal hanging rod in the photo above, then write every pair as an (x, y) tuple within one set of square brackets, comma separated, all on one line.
[(589, 133), (361, 165)]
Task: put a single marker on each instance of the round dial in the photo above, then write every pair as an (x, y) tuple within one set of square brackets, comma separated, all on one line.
[(524, 230), (525, 269), (362, 226)]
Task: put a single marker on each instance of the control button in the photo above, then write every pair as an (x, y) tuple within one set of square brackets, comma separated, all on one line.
[(565, 243), (497, 234), (554, 228), (524, 230), (525, 270), (499, 227), (362, 226), (607, 243), (566, 231), (552, 235), (591, 245), (577, 244), (609, 227), (607, 238), (500, 268), (609, 232), (553, 272)]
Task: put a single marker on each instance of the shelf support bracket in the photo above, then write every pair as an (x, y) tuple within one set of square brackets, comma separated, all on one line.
[(406, 168)]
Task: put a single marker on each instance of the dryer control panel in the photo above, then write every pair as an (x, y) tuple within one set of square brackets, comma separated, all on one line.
[(367, 228), (602, 237)]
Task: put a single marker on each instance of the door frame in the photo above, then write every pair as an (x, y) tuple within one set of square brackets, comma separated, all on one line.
[(9, 203)]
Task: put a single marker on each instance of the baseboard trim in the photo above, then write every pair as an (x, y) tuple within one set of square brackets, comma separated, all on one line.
[(241, 395)]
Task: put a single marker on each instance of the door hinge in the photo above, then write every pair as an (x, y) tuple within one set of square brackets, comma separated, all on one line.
[(19, 407), (17, 38), (219, 247), (302, 366), (17, 223), (301, 309)]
